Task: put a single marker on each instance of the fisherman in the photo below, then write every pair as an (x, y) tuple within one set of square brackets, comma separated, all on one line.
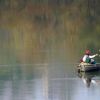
[(88, 58)]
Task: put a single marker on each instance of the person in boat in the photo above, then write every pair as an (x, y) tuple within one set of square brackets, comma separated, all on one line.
[(88, 58)]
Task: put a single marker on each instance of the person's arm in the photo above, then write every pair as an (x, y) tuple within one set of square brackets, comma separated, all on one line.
[(93, 56)]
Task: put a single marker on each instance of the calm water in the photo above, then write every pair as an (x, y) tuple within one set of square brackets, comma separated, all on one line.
[(40, 43), (48, 81)]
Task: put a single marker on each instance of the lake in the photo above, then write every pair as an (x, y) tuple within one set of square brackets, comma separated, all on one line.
[(47, 81), (41, 43)]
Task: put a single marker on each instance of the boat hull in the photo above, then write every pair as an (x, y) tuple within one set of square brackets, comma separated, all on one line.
[(88, 67)]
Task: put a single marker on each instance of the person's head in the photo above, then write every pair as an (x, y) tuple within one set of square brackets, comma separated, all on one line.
[(87, 52)]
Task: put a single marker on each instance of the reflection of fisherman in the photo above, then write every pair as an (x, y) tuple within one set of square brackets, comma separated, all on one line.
[(87, 79)]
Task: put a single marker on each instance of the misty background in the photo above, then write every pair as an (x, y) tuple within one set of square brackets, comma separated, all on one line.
[(36, 31)]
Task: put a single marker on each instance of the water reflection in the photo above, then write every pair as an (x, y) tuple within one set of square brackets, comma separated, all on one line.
[(23, 82), (88, 78), (51, 81)]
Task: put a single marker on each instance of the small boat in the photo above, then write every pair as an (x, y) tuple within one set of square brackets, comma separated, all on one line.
[(86, 67)]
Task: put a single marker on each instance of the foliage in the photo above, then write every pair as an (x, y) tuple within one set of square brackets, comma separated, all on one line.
[(30, 30)]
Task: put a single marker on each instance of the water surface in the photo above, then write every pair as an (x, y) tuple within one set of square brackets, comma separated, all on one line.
[(52, 81)]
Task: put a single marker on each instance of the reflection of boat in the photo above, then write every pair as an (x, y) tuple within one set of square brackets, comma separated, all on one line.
[(88, 67), (88, 78)]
